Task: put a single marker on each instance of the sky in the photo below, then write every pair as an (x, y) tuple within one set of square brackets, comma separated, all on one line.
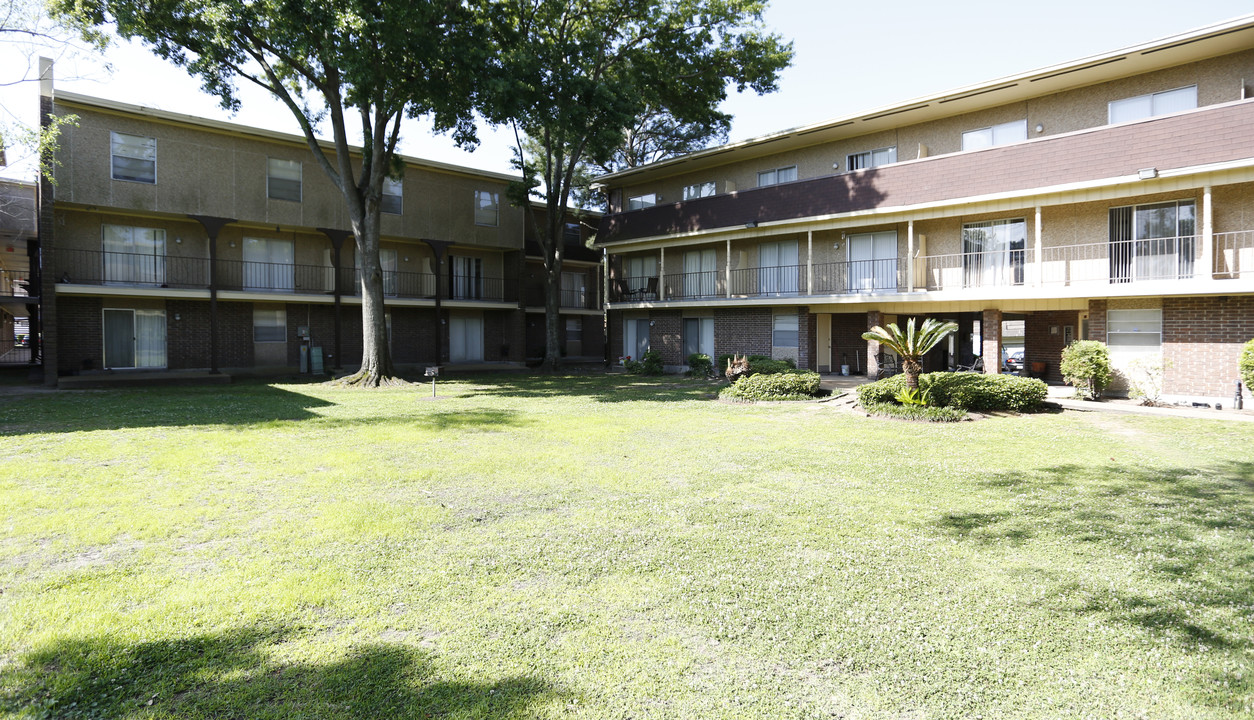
[(850, 57)]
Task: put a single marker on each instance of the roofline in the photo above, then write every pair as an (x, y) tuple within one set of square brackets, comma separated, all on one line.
[(88, 101), (1221, 28)]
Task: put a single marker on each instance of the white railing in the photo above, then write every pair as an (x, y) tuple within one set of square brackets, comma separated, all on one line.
[(999, 268), (1122, 261), (1234, 254)]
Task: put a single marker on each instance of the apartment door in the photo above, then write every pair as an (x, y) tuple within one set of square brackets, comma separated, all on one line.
[(700, 273), (873, 261), (466, 278), (778, 268), (465, 338), (574, 336), (699, 336), (635, 337), (134, 338), (134, 255), (1152, 242), (268, 264)]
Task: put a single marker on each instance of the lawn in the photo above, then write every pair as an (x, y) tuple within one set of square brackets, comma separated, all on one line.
[(611, 547)]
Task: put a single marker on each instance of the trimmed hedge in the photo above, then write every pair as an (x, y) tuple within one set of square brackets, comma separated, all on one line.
[(761, 365), (916, 412), (965, 391), (700, 365), (795, 385)]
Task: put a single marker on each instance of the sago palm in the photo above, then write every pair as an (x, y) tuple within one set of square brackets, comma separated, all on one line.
[(911, 345)]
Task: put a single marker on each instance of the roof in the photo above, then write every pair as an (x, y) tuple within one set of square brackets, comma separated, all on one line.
[(219, 126), (1222, 38)]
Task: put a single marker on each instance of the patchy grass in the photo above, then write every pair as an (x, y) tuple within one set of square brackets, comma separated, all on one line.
[(613, 547)]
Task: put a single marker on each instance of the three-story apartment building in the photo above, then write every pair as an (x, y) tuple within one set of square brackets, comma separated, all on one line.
[(1109, 198), (171, 241)]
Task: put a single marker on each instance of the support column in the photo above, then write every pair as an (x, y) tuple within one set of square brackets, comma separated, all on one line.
[(873, 318), (1207, 258), (337, 238), (727, 271), (910, 256), (661, 274), (1038, 275), (809, 262), (213, 226), (990, 335)]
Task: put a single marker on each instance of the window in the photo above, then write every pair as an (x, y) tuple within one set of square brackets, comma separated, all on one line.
[(133, 158), (574, 331), (992, 252), (1160, 103), (699, 336), (780, 175), (873, 261), (700, 190), (134, 338), (872, 158), (466, 276), (487, 208), (641, 202), (269, 325), (635, 337), (1152, 242), (700, 273), (637, 271), (392, 201), (786, 333), (996, 135), (778, 269), (571, 234), (134, 255), (1134, 332), (283, 179), (268, 264), (574, 289)]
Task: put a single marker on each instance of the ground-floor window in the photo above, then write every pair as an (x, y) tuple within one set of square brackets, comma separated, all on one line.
[(699, 336), (134, 338), (269, 325), (465, 333), (635, 337), (1134, 332)]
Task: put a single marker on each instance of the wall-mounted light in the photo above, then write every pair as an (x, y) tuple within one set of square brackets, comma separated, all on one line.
[(835, 166), (405, 259), (1040, 128), (178, 240), (1147, 173), (650, 323), (751, 224), (176, 316), (232, 243)]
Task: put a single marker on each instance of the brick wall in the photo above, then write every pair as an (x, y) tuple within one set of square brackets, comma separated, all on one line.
[(806, 324), (187, 338), (667, 336), (80, 330), (1039, 345), (990, 329), (743, 331), (1202, 342), (848, 347), (593, 336), (615, 325), (1097, 320), (413, 335), (235, 334), (874, 318)]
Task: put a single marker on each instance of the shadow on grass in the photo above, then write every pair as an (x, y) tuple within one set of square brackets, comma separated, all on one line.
[(601, 388), (1185, 528), (233, 674), (236, 404)]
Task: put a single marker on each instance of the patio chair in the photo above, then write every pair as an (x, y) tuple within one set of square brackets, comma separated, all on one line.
[(888, 367), (977, 366), (650, 290)]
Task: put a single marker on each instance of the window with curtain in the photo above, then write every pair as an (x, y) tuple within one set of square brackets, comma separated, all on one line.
[(269, 325), (778, 270), (283, 179), (1002, 134), (700, 273), (134, 338), (392, 201), (786, 333), (1152, 242), (873, 261), (699, 190), (699, 336), (133, 158), (574, 289), (993, 252), (268, 264), (466, 278), (133, 255), (776, 176), (487, 208), (872, 158), (640, 202), (1159, 103), (637, 271)]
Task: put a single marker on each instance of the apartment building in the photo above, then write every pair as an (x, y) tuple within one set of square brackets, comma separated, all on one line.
[(19, 252), (581, 299), (176, 242), (1109, 198)]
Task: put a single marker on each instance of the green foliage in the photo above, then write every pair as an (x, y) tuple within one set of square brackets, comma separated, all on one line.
[(917, 413), (1086, 365), (1245, 366), (763, 364), (700, 365), (649, 364), (965, 391), (914, 396), (911, 345), (795, 385), (1145, 379)]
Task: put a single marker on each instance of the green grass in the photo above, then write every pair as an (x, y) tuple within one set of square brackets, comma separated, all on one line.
[(593, 547)]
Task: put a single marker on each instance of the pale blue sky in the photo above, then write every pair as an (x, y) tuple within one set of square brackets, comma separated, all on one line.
[(850, 56)]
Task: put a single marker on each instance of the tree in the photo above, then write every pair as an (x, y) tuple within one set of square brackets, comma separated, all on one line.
[(326, 61), (911, 346), (657, 135), (573, 77), (1086, 366)]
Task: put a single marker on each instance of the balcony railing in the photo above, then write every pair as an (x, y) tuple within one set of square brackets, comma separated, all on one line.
[(477, 287), (773, 281), (694, 285), (860, 276), (1234, 254), (1002, 268), (14, 283), (1125, 261), (580, 298), (95, 267)]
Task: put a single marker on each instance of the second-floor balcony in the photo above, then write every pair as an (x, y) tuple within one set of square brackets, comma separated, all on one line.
[(1086, 266)]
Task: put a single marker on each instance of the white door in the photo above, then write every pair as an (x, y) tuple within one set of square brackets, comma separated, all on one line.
[(465, 338), (873, 261)]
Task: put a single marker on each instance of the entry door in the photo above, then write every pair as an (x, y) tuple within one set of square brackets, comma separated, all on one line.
[(873, 261), (700, 273), (698, 337), (465, 338), (778, 267), (134, 338)]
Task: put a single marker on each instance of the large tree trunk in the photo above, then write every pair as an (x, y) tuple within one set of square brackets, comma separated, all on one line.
[(552, 318), (376, 358), (911, 368)]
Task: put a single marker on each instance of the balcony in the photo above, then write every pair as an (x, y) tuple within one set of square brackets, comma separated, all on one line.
[(15, 283)]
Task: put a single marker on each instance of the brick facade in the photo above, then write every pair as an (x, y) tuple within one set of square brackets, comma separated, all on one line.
[(874, 318), (806, 324), (743, 331), (990, 331), (1097, 320), (1202, 342), (667, 336), (1041, 345), (79, 326)]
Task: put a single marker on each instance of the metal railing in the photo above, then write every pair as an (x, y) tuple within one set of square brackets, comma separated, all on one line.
[(1005, 268), (769, 281), (275, 277), (860, 276), (1122, 261), (576, 297), (97, 267), (14, 283), (692, 285), (1234, 254), (477, 287)]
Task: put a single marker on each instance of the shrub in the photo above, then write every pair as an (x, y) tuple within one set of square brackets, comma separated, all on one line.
[(914, 396), (1246, 365), (762, 364), (650, 364), (964, 391), (796, 385), (700, 365), (1145, 379), (917, 413), (1086, 365)]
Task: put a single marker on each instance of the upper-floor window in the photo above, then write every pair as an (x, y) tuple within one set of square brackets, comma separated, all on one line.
[(134, 255), (133, 158), (283, 179), (1159, 103), (779, 175), (700, 190), (391, 202), (640, 202), (268, 264), (1010, 132), (872, 158), (487, 208), (571, 234)]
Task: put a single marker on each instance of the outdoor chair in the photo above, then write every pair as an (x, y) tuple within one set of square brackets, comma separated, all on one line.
[(888, 367), (977, 366)]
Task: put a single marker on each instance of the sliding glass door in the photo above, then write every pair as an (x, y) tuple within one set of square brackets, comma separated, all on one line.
[(1152, 242), (134, 338)]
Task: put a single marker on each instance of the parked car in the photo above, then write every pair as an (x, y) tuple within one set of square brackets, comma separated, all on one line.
[(1014, 362)]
